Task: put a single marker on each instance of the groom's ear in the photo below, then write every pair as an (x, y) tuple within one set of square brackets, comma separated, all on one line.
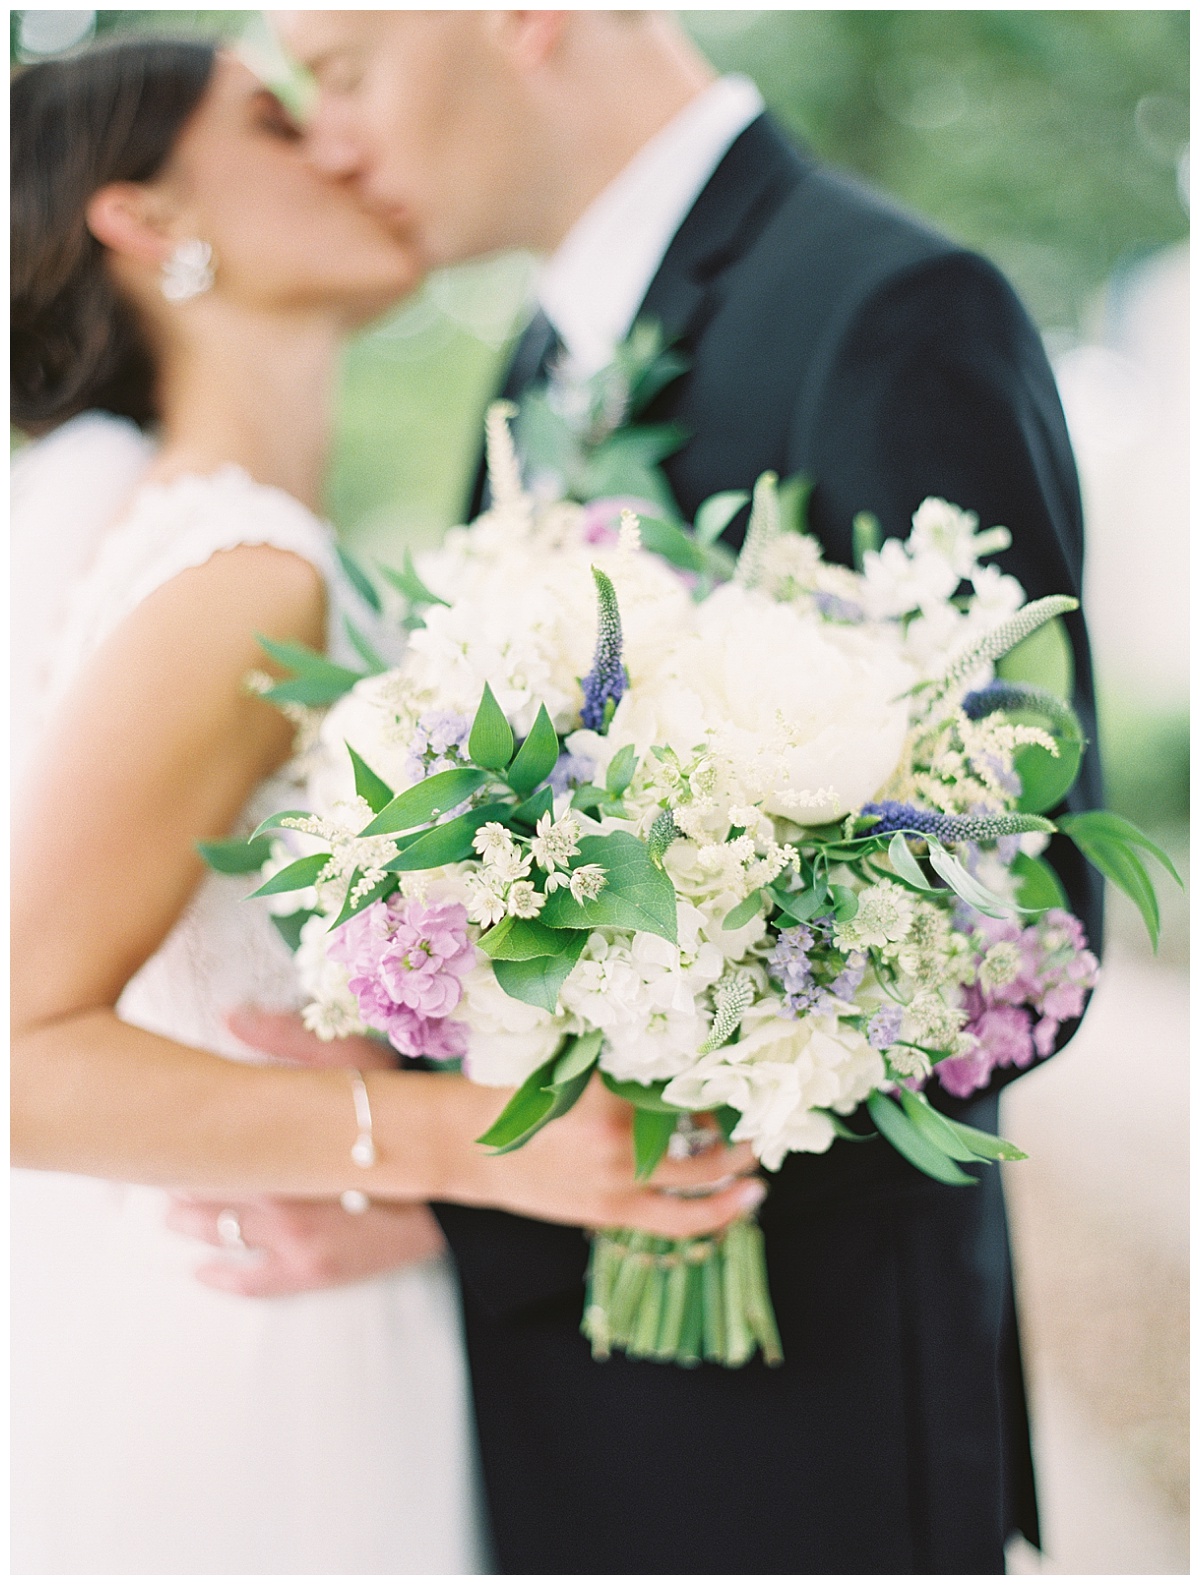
[(130, 221), (529, 38)]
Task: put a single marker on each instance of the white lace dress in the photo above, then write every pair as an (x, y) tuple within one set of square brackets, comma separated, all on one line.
[(160, 1426)]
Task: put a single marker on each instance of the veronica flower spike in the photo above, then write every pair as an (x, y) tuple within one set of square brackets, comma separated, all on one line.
[(607, 679)]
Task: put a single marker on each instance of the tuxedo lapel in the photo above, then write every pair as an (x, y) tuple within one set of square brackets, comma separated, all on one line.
[(759, 170)]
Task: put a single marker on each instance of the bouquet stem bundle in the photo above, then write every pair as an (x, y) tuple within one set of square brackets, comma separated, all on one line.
[(681, 1301)]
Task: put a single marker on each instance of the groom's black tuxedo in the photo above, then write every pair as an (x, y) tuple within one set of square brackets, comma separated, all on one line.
[(832, 335)]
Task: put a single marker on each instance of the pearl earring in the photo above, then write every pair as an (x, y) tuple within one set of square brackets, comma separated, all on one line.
[(188, 271)]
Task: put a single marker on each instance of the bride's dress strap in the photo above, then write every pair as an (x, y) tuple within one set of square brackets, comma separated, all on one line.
[(175, 526)]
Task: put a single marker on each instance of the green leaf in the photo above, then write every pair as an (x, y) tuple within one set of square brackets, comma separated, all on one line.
[(317, 682), (901, 1133), (446, 844), (1118, 862), (637, 894), (536, 757), (794, 495), (532, 810), (845, 903), (293, 879), (652, 1132), (905, 865), (235, 855), (491, 740), (801, 906), (371, 657), (273, 822), (727, 1118), (422, 802), (968, 888), (867, 535), (1045, 778), (352, 905), (524, 1114), (745, 911), (1103, 823), (715, 515), (359, 577), (1044, 659), (988, 1147), (843, 1130), (538, 981), (1039, 888), (646, 1097), (672, 543), (410, 585), (515, 939), (289, 926), (579, 1057), (373, 789), (621, 769), (938, 1130)]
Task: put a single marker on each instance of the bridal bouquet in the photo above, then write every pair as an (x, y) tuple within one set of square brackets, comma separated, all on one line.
[(756, 848)]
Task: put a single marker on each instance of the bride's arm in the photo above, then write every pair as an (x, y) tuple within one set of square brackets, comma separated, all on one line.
[(159, 744)]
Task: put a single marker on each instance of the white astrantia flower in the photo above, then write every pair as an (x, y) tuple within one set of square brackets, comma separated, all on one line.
[(781, 1074), (883, 920), (492, 840), (556, 841), (524, 901)]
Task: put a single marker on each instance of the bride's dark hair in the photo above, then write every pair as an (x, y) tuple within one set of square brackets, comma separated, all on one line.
[(110, 114)]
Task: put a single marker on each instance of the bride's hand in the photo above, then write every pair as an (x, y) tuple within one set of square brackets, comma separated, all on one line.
[(579, 1170), (300, 1246)]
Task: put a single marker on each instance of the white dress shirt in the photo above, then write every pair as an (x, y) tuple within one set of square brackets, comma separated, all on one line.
[(593, 284)]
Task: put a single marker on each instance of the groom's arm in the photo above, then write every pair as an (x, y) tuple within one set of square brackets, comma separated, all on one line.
[(941, 387)]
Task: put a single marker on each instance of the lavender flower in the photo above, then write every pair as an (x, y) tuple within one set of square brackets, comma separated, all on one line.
[(438, 743), (846, 984), (607, 679), (884, 1028)]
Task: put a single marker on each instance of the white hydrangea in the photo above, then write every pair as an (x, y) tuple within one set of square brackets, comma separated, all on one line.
[(781, 1075), (332, 1011), (508, 1038)]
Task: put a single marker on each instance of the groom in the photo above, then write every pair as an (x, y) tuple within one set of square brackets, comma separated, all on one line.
[(830, 334)]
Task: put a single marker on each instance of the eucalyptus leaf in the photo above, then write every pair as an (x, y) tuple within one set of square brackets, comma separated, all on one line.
[(425, 800), (303, 872), (235, 855), (536, 757), (901, 1133), (491, 740)]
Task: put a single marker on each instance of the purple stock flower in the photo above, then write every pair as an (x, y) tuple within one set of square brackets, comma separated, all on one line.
[(406, 961)]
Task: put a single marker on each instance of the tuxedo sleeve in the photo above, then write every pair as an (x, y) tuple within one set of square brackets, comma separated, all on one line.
[(940, 386)]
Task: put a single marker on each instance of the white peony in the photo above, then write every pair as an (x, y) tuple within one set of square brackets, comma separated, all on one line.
[(802, 717)]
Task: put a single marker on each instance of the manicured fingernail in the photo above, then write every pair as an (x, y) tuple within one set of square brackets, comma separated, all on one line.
[(752, 1193)]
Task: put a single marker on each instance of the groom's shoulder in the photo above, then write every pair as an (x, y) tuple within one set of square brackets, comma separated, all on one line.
[(832, 243)]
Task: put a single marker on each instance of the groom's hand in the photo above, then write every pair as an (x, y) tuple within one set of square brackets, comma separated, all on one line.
[(299, 1246)]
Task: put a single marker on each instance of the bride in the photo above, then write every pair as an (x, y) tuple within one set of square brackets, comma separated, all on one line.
[(181, 284)]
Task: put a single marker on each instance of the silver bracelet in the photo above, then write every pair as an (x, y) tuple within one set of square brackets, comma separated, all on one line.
[(362, 1152)]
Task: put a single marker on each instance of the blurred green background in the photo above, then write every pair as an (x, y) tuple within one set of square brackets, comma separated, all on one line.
[(1053, 141)]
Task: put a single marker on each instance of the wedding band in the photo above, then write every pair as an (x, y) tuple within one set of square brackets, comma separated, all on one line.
[(699, 1191), (229, 1230)]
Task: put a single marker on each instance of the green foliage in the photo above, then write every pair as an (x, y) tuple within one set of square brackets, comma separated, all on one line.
[(547, 1093), (539, 980), (371, 788), (913, 1142), (491, 740), (637, 895), (1111, 843), (317, 681), (295, 877), (449, 843), (536, 757), (422, 802), (235, 855)]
